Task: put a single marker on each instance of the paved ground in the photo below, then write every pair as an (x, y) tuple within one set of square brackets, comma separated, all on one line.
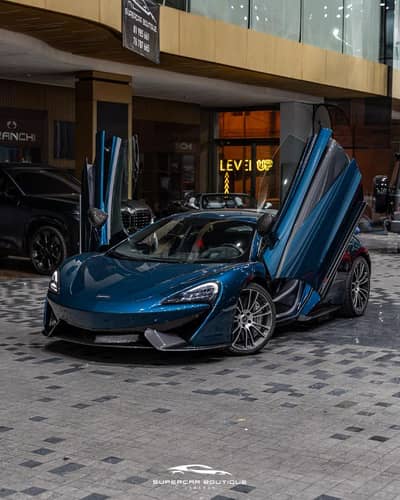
[(316, 415)]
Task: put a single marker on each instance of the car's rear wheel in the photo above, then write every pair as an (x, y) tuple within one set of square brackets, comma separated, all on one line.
[(47, 249), (357, 288), (254, 320)]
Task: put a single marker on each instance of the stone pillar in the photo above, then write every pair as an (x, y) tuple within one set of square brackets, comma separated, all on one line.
[(103, 102)]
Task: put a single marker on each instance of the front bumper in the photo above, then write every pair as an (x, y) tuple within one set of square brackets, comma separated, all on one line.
[(95, 329)]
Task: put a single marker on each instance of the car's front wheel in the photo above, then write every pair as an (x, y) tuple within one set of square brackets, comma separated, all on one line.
[(254, 320), (47, 249), (357, 288)]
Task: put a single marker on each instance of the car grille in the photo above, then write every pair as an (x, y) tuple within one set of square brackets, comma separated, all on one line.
[(136, 219)]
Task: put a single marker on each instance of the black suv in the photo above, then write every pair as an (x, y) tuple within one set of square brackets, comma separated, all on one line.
[(39, 214)]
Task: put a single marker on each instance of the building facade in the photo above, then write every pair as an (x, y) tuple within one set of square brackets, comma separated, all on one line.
[(236, 78)]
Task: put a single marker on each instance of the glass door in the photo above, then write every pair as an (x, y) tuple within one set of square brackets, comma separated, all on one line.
[(249, 168), (235, 169)]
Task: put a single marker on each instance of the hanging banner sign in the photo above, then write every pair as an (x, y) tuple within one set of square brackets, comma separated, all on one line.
[(141, 28)]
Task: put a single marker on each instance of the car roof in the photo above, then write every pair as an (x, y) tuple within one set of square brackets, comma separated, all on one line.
[(30, 166), (222, 194), (220, 214)]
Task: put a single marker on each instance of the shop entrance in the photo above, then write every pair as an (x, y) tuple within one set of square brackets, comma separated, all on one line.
[(246, 145), (244, 166), (23, 135)]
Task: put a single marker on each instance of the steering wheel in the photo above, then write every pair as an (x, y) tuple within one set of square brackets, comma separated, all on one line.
[(221, 249), (239, 250)]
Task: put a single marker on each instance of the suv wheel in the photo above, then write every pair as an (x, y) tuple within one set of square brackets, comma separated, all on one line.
[(47, 249)]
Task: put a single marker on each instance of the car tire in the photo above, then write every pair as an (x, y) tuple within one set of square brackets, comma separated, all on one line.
[(47, 249), (254, 320), (357, 289)]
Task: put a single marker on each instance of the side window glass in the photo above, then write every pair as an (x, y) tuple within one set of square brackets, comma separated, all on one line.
[(10, 189)]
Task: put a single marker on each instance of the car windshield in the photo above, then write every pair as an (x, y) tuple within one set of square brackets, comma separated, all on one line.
[(45, 182), (190, 240), (216, 201)]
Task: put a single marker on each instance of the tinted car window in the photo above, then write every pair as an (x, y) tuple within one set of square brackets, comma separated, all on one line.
[(190, 240), (2, 183), (215, 201), (43, 182)]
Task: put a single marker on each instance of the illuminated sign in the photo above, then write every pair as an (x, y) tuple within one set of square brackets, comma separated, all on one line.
[(245, 165), (17, 137), (13, 135)]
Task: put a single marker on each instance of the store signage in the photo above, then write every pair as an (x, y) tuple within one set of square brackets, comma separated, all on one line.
[(141, 28), (245, 165), (12, 134), (184, 147)]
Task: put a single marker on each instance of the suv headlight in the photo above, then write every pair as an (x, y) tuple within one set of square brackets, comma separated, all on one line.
[(206, 293), (54, 285)]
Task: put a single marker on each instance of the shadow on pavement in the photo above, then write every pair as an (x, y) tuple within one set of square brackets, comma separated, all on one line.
[(16, 268), (133, 357)]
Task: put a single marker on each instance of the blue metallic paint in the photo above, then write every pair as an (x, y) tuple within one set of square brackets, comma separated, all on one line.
[(307, 250), (99, 292)]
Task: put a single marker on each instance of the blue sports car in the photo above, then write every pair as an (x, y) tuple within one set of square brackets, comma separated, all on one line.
[(224, 279)]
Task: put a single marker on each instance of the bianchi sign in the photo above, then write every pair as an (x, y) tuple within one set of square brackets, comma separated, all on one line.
[(13, 134), (141, 28)]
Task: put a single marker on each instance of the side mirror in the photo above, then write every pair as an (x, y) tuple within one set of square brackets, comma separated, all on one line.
[(97, 217), (264, 224)]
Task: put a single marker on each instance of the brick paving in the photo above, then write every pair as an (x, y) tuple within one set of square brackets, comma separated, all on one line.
[(316, 415)]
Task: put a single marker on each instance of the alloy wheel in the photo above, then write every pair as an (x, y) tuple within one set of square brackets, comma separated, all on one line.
[(254, 320), (360, 285), (47, 250)]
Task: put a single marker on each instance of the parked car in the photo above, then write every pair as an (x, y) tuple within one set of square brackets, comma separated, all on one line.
[(39, 214), (219, 201), (224, 278)]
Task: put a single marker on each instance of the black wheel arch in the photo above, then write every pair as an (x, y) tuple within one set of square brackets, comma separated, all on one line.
[(38, 222), (262, 281)]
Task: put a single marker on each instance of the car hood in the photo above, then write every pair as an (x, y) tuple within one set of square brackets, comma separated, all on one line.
[(94, 279)]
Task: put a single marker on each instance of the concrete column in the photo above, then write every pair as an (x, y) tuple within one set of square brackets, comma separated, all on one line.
[(103, 102)]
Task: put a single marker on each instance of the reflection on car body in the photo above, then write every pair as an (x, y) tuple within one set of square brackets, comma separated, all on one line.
[(215, 279)]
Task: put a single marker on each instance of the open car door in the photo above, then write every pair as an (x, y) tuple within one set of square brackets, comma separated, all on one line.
[(318, 216)]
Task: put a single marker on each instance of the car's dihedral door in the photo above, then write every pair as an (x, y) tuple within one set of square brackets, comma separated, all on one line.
[(318, 216)]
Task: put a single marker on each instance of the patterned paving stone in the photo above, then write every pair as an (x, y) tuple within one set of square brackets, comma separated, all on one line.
[(135, 480), (318, 408), (112, 460), (6, 492), (66, 469), (95, 496), (30, 464), (33, 491)]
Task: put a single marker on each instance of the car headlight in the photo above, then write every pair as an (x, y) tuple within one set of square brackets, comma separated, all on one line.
[(54, 285), (207, 293)]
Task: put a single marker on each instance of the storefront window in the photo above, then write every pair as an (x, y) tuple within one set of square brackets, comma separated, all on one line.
[(169, 158), (64, 140), (323, 23), (246, 147), (249, 124), (176, 4), (280, 18), (362, 22), (23, 135), (231, 11)]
